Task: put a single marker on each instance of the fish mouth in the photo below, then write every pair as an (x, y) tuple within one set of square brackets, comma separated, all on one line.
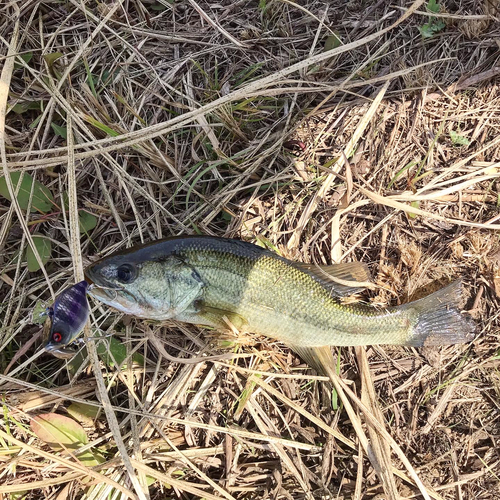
[(94, 278), (112, 294), (100, 286), (107, 292), (104, 293)]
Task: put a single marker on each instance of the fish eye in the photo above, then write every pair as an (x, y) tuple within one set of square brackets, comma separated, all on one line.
[(126, 273), (56, 337)]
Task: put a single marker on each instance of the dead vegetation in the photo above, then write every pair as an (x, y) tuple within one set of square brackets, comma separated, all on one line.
[(328, 132)]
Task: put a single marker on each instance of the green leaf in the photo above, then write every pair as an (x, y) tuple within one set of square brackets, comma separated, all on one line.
[(108, 75), (19, 495), (43, 247), (34, 123), (52, 58), (433, 6), (401, 172), (159, 7), (333, 41), (264, 242), (22, 107), (459, 140), (414, 204), (58, 130), (57, 430), (90, 78), (226, 216), (244, 397), (42, 197), (39, 313), (426, 30), (91, 457), (87, 221), (113, 353), (61, 432), (65, 200), (101, 126), (429, 29), (26, 57), (84, 413), (439, 25)]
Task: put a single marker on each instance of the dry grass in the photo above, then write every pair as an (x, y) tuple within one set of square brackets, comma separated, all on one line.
[(178, 117)]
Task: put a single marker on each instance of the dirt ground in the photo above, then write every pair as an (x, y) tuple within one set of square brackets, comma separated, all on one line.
[(327, 132)]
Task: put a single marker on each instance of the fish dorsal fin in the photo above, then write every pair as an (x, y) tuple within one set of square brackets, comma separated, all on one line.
[(343, 279)]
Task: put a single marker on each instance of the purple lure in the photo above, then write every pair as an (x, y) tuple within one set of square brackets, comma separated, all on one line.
[(69, 314)]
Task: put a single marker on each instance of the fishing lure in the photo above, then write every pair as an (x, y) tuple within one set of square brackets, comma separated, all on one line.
[(67, 318)]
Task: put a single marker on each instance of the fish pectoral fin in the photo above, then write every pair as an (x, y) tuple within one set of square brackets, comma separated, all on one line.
[(224, 319), (319, 358), (343, 279)]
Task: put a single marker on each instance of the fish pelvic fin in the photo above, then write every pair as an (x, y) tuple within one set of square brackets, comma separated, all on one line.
[(221, 318), (439, 319)]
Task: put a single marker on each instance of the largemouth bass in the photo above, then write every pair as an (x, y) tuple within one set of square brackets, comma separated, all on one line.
[(210, 281)]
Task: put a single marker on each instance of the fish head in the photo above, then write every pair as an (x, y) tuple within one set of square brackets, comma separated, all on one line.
[(147, 286)]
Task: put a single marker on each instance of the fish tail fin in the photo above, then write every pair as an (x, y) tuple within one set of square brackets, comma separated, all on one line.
[(439, 319)]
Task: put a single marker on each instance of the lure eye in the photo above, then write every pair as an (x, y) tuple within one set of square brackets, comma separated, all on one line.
[(126, 273), (56, 337)]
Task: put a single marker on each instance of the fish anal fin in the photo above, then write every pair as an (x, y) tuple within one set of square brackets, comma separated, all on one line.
[(342, 278), (319, 358)]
